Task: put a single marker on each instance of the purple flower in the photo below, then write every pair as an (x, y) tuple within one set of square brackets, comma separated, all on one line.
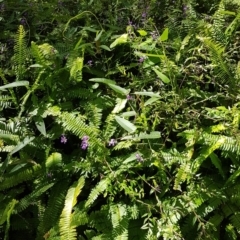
[(144, 14), (185, 8), (129, 97), (90, 63), (112, 142), (139, 157), (23, 21), (63, 139), (84, 144), (141, 59)]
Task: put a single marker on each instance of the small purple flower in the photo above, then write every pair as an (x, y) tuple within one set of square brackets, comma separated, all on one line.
[(63, 139), (129, 97), (84, 144), (112, 142), (144, 14), (49, 174), (23, 21), (185, 8), (90, 63), (139, 157), (141, 59)]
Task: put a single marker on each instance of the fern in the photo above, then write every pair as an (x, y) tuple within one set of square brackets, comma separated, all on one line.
[(20, 177), (67, 231), (100, 188), (119, 218), (216, 51), (29, 199), (54, 208), (20, 53)]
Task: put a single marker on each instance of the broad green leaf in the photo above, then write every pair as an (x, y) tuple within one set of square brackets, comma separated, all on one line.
[(121, 103), (125, 124), (129, 114), (162, 76), (41, 126), (15, 84), (151, 135), (149, 94), (36, 66), (164, 35), (119, 89), (22, 144), (102, 80), (131, 158), (53, 160), (150, 101), (122, 39), (105, 48), (142, 32)]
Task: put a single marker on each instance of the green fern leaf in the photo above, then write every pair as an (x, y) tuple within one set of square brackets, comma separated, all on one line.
[(67, 231)]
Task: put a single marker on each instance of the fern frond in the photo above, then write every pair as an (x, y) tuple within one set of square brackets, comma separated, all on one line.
[(119, 218), (38, 54), (29, 199), (20, 53), (109, 126), (53, 209), (100, 188), (216, 51), (182, 175), (20, 177), (94, 115), (67, 231)]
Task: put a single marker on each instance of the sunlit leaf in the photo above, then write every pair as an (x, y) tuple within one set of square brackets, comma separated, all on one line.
[(125, 124), (122, 39), (162, 76)]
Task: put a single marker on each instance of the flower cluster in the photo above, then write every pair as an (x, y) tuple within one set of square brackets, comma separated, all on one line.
[(85, 144)]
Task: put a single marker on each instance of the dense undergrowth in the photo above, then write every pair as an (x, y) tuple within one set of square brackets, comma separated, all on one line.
[(119, 120)]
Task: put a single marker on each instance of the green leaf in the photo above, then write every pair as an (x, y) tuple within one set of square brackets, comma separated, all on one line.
[(150, 94), (102, 80), (15, 84), (121, 103), (151, 135), (98, 35), (54, 159), (105, 48), (131, 158), (119, 89), (41, 126), (125, 124), (129, 114), (150, 101), (122, 39), (164, 35), (163, 77), (22, 144), (142, 32)]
